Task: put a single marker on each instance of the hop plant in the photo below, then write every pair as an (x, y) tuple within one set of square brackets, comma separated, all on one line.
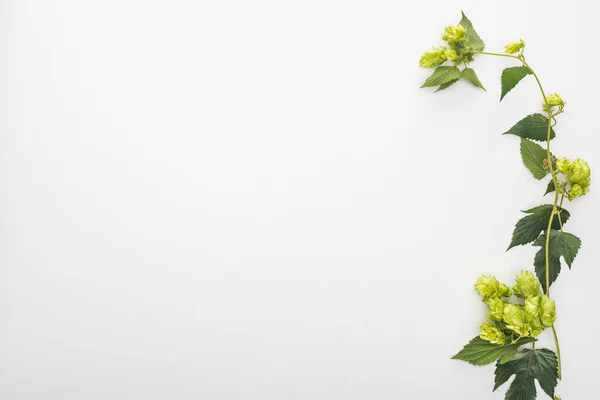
[(512, 322)]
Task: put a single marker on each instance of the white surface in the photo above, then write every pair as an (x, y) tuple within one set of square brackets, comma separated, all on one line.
[(255, 200)]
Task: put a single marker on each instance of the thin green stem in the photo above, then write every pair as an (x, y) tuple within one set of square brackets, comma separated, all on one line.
[(521, 58), (557, 352)]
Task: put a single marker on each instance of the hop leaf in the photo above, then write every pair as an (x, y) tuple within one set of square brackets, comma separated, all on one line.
[(528, 366)]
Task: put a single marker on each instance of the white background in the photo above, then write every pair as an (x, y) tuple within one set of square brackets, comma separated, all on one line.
[(255, 200)]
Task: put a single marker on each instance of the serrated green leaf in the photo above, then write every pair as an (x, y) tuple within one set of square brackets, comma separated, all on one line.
[(446, 85), (533, 156), (473, 39), (550, 187), (561, 244), (527, 367), (511, 76), (470, 75), (529, 228), (482, 352), (534, 127), (442, 75)]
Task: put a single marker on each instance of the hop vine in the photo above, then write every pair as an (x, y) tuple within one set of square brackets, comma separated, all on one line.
[(517, 315)]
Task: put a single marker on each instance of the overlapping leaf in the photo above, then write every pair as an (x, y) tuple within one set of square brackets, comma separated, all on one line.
[(473, 39), (442, 75), (482, 352), (470, 75), (527, 367), (561, 244), (533, 156), (529, 228)]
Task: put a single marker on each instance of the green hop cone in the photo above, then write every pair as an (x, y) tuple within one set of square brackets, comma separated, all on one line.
[(532, 307), (488, 286), (515, 319), (563, 166), (455, 33), (575, 192), (547, 311), (506, 291), (553, 100), (492, 334), (496, 306), (450, 54), (433, 58), (535, 327), (580, 173), (526, 285), (578, 176), (514, 47)]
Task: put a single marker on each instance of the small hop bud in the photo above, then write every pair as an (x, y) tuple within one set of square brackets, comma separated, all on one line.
[(506, 292), (488, 286), (515, 319), (547, 311), (514, 47), (455, 33), (492, 334), (526, 285), (496, 306), (553, 100), (563, 166), (433, 58)]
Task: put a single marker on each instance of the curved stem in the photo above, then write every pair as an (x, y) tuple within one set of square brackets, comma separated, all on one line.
[(521, 58)]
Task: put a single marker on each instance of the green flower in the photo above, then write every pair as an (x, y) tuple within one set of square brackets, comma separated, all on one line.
[(506, 292), (578, 176), (535, 327), (515, 319), (488, 286), (580, 173), (575, 191), (492, 334), (526, 285), (450, 54), (563, 166), (532, 307), (453, 34), (553, 100), (514, 47), (547, 311), (496, 306), (433, 58)]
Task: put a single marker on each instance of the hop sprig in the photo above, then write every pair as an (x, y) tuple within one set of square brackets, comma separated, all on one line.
[(577, 177)]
